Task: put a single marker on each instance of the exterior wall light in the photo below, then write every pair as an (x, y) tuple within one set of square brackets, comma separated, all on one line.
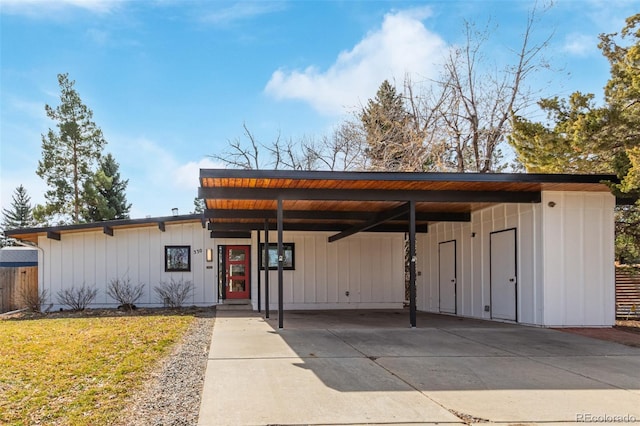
[(551, 204), (209, 255)]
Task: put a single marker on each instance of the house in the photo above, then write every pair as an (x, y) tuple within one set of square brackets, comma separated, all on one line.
[(529, 248)]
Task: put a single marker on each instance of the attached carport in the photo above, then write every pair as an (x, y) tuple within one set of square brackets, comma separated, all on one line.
[(240, 202)]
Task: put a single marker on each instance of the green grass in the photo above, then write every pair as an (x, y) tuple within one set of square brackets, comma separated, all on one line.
[(79, 371)]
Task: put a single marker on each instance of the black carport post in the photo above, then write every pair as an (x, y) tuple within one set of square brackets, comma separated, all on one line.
[(412, 263), (280, 264), (259, 297), (265, 264)]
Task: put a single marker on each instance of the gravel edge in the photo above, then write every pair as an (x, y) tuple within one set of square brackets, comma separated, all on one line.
[(172, 395)]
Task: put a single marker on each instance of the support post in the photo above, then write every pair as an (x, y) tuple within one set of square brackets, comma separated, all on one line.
[(259, 295), (412, 263), (280, 265), (266, 267)]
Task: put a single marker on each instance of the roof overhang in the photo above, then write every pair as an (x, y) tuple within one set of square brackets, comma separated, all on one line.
[(107, 227), (350, 202)]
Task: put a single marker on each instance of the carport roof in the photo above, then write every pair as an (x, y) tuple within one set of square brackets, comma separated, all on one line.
[(242, 200), (238, 201)]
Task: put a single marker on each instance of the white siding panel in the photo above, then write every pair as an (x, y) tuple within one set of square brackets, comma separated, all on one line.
[(473, 257), (578, 254)]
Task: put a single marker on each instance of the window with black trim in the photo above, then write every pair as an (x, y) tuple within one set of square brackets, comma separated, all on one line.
[(177, 258), (289, 256)]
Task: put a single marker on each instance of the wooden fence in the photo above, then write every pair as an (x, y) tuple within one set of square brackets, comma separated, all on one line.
[(14, 284), (627, 293)]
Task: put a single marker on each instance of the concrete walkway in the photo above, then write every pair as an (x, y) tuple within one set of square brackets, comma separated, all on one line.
[(367, 367)]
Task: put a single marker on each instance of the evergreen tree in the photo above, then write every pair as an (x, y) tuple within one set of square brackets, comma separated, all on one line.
[(69, 154), (588, 139), (105, 193), (390, 142), (20, 214), (198, 206)]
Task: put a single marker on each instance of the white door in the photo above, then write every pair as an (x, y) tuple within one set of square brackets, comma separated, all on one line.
[(504, 282), (447, 268)]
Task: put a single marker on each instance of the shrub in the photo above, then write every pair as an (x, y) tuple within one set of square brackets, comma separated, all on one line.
[(124, 292), (174, 293), (77, 298), (33, 300)]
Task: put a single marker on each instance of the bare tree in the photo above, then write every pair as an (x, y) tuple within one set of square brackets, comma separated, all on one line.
[(465, 115), (343, 150)]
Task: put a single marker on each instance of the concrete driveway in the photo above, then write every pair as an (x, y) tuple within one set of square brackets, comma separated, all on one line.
[(368, 367)]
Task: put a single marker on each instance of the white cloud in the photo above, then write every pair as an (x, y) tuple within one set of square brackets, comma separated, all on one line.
[(401, 46), (44, 8), (241, 11), (187, 175), (158, 180), (580, 44)]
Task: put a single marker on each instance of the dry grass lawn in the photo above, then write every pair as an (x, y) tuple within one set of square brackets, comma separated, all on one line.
[(79, 371)]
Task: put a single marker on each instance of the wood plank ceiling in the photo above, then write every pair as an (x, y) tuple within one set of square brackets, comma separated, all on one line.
[(241, 200)]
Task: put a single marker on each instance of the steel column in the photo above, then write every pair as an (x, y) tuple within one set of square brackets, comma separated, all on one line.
[(266, 267), (412, 263), (280, 265)]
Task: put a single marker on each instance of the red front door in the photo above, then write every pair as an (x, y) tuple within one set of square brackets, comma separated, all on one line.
[(237, 271)]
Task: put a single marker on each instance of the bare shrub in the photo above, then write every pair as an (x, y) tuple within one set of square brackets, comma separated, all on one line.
[(174, 293), (124, 292), (33, 300), (77, 298)]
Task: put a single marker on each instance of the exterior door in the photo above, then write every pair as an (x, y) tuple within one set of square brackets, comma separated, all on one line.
[(237, 272), (448, 280), (504, 282)]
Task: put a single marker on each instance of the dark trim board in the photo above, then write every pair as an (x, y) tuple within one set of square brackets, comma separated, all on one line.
[(330, 215), (444, 196), (405, 176)]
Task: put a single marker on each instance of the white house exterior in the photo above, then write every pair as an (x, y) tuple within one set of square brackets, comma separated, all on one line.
[(547, 260), (561, 260)]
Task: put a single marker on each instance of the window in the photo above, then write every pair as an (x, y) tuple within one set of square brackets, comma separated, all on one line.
[(289, 256), (177, 258)]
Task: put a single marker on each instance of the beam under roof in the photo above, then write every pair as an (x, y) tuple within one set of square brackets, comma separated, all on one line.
[(379, 219), (329, 214), (370, 195), (311, 226)]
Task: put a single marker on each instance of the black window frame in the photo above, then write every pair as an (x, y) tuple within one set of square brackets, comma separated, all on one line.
[(168, 249), (273, 255)]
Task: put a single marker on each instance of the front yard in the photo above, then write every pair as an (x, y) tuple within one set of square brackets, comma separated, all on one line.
[(79, 371)]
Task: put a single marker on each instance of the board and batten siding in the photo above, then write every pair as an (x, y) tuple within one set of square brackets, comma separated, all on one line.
[(94, 259), (564, 260), (369, 266), (579, 270), (472, 261)]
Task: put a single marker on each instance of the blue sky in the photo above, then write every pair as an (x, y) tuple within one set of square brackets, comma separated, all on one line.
[(171, 82)]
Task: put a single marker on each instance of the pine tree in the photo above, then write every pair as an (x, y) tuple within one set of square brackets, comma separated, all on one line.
[(105, 194), (69, 154), (20, 214), (385, 121), (198, 206)]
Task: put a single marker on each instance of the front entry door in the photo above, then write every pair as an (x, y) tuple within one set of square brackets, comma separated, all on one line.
[(504, 283), (447, 272), (237, 272)]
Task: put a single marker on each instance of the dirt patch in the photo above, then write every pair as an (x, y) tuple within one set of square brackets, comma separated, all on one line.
[(88, 313), (624, 332)]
